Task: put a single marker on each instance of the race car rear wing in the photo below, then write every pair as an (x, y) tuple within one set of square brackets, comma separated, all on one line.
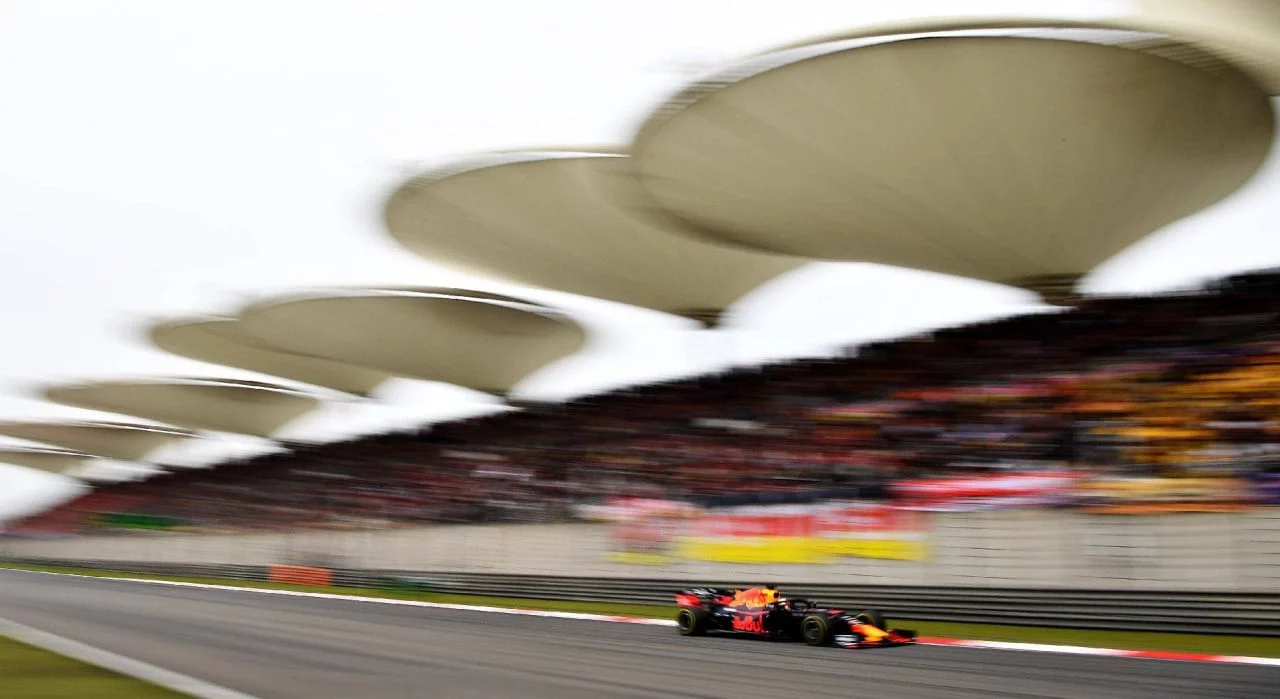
[(703, 596)]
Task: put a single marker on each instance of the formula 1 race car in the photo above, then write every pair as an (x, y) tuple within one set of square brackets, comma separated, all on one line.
[(762, 612)]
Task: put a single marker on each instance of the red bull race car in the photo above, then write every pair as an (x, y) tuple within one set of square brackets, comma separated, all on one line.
[(764, 613)]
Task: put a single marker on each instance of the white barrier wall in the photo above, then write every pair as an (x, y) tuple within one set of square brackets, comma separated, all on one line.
[(1236, 552)]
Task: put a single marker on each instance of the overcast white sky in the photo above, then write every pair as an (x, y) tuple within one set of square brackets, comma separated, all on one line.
[(161, 158)]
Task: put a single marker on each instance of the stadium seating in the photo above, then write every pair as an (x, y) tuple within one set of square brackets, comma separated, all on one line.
[(1171, 385)]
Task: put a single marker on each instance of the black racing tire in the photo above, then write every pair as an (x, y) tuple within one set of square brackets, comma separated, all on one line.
[(873, 617), (692, 621), (815, 630)]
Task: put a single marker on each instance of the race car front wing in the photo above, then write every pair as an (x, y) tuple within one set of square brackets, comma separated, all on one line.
[(886, 639)]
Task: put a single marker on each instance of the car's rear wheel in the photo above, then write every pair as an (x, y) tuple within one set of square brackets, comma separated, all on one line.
[(873, 617), (691, 621), (815, 630)]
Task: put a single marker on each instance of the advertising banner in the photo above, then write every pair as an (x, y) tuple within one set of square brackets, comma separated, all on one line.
[(804, 533), (973, 493), (754, 534)]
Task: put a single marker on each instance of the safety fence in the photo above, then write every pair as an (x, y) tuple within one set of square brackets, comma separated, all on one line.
[(1255, 614), (1032, 548)]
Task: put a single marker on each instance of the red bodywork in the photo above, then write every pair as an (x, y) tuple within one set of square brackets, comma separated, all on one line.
[(688, 601)]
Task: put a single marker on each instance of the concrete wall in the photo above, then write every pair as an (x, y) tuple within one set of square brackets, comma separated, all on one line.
[(1239, 552)]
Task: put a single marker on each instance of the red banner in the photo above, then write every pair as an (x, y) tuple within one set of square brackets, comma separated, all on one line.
[(986, 492)]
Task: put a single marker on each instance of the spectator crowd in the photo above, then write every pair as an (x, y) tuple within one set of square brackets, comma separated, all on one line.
[(1173, 386)]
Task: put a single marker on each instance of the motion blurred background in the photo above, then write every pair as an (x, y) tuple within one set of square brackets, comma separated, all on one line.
[(162, 162), (824, 292)]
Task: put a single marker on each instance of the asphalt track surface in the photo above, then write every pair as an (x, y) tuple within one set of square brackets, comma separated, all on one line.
[(273, 647)]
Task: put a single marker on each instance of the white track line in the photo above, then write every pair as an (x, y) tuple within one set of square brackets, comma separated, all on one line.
[(373, 600), (1107, 652), (116, 663), (962, 643)]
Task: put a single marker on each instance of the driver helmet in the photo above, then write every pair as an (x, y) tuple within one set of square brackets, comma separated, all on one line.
[(770, 593)]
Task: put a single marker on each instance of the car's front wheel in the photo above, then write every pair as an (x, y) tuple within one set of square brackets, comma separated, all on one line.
[(872, 617)]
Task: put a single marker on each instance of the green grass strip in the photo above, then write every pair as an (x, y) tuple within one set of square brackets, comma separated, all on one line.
[(33, 673), (1096, 638), (656, 611)]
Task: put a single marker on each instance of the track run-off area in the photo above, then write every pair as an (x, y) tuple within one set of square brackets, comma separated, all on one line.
[(299, 645)]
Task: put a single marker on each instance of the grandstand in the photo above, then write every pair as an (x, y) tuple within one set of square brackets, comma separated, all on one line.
[(1014, 157), (1177, 385)]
